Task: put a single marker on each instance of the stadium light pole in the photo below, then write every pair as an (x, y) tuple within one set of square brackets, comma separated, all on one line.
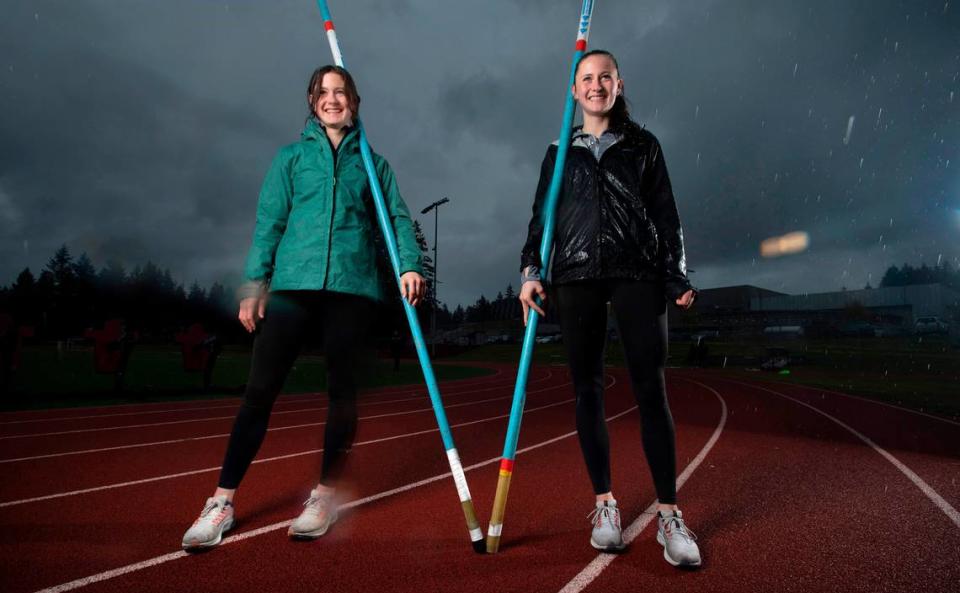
[(436, 270)]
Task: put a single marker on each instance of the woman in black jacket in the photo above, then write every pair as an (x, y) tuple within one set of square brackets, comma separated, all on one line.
[(618, 240)]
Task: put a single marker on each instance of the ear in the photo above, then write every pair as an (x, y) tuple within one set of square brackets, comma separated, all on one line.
[(620, 87)]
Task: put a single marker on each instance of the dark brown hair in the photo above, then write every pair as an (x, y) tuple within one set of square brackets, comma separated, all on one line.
[(620, 112), (313, 89)]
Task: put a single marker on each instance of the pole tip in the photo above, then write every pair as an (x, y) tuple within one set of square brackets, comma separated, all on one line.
[(480, 546)]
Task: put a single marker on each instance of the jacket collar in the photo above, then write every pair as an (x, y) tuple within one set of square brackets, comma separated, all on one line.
[(314, 130)]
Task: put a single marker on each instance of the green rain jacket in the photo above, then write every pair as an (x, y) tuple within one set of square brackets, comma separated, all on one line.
[(316, 222)]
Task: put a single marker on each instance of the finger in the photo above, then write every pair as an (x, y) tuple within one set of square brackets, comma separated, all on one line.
[(262, 308), (541, 293), (525, 309), (538, 310)]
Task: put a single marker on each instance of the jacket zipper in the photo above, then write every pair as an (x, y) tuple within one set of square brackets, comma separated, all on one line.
[(333, 204)]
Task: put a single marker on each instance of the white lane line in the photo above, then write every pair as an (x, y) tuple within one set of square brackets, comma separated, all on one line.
[(932, 494), (214, 418), (407, 390), (213, 436), (593, 570), (110, 574), (264, 460)]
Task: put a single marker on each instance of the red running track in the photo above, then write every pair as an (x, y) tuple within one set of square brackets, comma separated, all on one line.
[(789, 489)]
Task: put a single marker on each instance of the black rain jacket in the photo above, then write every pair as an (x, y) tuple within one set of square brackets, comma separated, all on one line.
[(615, 218)]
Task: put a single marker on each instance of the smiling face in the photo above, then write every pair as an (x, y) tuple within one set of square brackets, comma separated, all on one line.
[(332, 101), (597, 85)]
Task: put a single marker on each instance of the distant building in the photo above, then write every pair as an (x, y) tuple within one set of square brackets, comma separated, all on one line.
[(750, 309), (909, 302)]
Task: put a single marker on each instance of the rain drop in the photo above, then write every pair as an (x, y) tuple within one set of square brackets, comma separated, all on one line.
[(698, 159), (795, 66), (861, 162), (846, 138), (696, 112)]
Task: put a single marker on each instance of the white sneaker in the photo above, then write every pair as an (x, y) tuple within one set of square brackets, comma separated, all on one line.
[(215, 519), (606, 535), (679, 543), (319, 513)]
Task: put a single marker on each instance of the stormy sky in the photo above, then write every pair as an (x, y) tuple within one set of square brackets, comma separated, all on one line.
[(138, 131)]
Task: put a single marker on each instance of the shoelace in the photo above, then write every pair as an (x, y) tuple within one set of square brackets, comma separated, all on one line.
[(317, 503), (209, 508), (611, 514), (677, 525)]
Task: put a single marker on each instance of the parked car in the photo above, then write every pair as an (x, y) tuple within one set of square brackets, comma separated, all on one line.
[(930, 325)]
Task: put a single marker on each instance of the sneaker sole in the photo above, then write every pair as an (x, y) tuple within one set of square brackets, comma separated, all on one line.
[(670, 560), (227, 526), (311, 535), (597, 546)]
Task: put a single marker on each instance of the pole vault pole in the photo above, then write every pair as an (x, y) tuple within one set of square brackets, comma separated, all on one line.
[(456, 469), (546, 244)]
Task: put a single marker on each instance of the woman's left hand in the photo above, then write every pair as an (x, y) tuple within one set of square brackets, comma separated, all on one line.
[(413, 287), (686, 300)]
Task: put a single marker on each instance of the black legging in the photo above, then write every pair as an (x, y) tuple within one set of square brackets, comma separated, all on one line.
[(640, 311), (343, 320)]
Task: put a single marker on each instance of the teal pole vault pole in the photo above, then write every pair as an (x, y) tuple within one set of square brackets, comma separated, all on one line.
[(456, 469), (546, 245)]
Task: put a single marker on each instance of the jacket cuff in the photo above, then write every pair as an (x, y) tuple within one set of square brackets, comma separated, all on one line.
[(674, 289), (252, 289), (529, 273)]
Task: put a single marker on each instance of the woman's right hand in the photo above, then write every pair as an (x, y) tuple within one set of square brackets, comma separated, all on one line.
[(527, 292), (252, 310)]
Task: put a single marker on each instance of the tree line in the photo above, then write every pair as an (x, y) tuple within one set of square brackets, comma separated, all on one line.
[(942, 273), (70, 295)]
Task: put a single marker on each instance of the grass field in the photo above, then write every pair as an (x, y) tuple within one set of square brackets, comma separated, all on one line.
[(156, 374), (920, 373)]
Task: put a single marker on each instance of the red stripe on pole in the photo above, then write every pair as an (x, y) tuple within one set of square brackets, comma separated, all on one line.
[(328, 25), (506, 465), (581, 45)]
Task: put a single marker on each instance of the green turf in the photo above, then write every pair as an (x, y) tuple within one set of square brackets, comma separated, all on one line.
[(920, 373), (156, 374)]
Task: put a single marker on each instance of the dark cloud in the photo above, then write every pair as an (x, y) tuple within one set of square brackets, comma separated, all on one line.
[(142, 130)]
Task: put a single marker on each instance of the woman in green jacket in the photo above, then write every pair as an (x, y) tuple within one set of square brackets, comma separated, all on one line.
[(312, 260)]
